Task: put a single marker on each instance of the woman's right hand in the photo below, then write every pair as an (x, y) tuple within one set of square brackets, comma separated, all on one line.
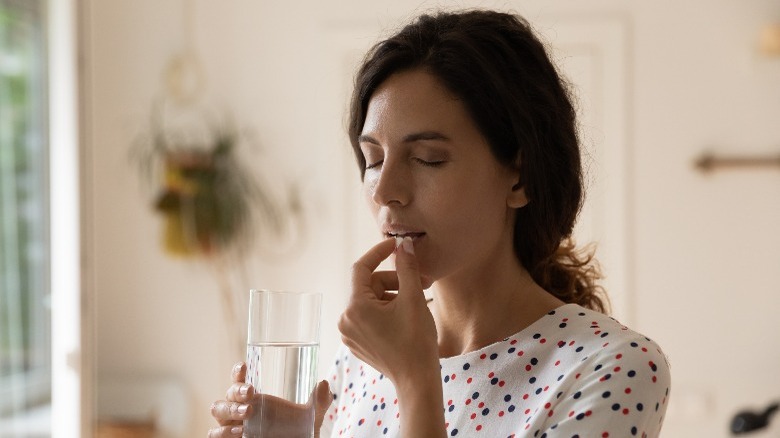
[(231, 413), (241, 400)]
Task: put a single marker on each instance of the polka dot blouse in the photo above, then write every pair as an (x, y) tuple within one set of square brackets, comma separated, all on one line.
[(573, 373)]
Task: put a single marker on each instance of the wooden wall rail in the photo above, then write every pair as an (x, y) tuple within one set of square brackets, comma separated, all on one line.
[(709, 162)]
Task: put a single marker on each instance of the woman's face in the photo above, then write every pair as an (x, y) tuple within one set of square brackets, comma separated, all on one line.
[(430, 174)]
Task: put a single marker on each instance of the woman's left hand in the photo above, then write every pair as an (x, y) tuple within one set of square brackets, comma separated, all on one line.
[(394, 333)]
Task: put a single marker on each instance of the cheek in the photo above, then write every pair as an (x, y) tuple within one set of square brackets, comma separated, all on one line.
[(475, 208), (367, 190)]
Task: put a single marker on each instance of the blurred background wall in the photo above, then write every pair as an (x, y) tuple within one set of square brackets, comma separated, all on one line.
[(700, 268)]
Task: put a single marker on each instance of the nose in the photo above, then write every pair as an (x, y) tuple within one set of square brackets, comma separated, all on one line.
[(392, 185)]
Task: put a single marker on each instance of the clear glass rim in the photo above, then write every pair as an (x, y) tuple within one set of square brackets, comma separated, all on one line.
[(282, 292)]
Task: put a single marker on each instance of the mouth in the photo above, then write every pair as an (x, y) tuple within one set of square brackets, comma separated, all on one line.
[(400, 235)]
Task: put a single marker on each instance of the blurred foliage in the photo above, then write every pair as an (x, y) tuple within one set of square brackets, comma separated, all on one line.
[(211, 204), (23, 203)]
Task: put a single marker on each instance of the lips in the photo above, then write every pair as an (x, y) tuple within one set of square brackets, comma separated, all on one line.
[(397, 230), (413, 235)]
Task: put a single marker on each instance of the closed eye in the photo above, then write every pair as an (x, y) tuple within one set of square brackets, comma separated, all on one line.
[(430, 163), (374, 165)]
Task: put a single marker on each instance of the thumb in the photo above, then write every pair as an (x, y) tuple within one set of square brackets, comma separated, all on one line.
[(322, 401), (406, 266)]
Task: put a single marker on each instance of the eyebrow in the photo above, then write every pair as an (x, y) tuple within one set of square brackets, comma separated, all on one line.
[(418, 136)]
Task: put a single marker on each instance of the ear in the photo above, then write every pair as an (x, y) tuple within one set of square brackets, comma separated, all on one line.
[(517, 197)]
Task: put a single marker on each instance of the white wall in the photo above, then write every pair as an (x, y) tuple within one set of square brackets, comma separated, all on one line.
[(703, 266)]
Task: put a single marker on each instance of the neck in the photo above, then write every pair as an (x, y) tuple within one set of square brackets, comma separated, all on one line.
[(477, 307)]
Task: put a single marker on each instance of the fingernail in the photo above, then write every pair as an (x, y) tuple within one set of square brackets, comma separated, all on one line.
[(243, 390), (398, 241), (236, 430), (408, 245), (242, 409)]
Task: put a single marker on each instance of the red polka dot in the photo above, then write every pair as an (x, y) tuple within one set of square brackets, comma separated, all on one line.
[(628, 390), (479, 427)]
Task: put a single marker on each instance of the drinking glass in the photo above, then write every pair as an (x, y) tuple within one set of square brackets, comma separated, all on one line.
[(281, 355)]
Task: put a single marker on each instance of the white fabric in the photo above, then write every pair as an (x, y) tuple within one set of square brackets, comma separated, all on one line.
[(574, 372)]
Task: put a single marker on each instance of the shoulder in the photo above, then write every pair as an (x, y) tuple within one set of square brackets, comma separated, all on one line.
[(605, 343), (620, 375)]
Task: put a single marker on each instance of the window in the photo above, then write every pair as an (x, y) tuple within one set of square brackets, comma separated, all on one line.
[(25, 346)]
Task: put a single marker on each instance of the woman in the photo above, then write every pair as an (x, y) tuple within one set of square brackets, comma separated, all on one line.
[(466, 137)]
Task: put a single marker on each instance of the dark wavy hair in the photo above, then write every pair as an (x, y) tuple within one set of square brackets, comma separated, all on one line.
[(502, 73)]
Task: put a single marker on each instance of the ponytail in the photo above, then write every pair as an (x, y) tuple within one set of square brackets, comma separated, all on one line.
[(572, 276)]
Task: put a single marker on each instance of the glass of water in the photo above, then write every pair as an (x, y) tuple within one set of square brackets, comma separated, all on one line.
[(281, 355)]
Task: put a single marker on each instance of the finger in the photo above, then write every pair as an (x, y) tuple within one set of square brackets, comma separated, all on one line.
[(239, 372), (408, 271), (388, 280), (322, 400), (366, 265), (225, 431), (383, 281), (240, 392), (226, 412)]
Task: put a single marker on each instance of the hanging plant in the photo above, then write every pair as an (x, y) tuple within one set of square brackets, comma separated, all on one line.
[(208, 199), (213, 208)]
